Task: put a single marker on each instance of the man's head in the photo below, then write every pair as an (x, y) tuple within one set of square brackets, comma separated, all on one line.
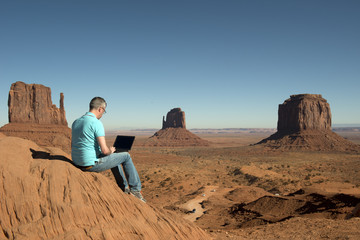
[(97, 106)]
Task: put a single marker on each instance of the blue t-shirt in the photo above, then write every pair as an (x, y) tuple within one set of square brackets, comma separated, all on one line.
[(84, 145)]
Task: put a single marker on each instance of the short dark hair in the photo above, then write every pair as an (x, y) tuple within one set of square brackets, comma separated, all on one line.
[(97, 102)]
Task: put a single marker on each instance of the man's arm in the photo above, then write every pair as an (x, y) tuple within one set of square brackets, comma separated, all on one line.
[(104, 148)]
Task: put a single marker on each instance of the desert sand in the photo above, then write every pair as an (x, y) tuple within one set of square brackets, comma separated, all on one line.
[(230, 189), (237, 191)]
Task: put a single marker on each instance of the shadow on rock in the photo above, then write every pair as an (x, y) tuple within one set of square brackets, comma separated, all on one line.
[(46, 155)]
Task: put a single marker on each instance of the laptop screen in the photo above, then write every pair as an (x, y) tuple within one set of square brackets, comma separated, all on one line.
[(123, 143)]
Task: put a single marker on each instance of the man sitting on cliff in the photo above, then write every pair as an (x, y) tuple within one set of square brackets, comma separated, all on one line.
[(90, 152)]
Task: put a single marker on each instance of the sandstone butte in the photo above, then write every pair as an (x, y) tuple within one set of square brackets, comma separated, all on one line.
[(174, 132), (43, 196), (304, 123), (33, 116)]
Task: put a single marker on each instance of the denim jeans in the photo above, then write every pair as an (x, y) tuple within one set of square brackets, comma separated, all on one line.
[(120, 163)]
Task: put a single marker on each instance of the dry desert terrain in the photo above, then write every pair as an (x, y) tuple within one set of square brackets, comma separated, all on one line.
[(237, 191)]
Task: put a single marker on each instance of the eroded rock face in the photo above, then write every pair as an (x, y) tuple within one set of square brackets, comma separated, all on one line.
[(33, 116), (305, 124), (304, 112), (31, 103), (43, 196), (174, 119)]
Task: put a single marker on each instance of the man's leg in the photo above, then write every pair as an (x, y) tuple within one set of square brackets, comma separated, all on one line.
[(116, 160), (120, 178), (131, 174)]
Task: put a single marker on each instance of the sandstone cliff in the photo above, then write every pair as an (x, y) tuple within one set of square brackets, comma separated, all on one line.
[(174, 119), (304, 112), (31, 103), (43, 196), (33, 116), (304, 123)]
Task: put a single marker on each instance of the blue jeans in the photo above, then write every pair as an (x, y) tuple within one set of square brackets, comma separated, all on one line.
[(120, 163)]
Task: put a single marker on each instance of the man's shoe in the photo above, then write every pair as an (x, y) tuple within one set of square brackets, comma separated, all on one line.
[(127, 190), (138, 195)]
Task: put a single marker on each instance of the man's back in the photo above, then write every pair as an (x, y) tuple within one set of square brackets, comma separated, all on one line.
[(85, 147)]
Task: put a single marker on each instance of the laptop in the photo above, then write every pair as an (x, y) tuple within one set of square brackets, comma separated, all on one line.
[(123, 143)]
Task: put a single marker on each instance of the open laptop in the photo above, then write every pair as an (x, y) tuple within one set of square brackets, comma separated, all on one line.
[(123, 143)]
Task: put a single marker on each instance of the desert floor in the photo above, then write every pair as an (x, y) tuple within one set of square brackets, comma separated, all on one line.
[(237, 191)]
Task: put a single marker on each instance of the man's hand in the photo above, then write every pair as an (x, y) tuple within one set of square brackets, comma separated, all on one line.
[(104, 148), (112, 149)]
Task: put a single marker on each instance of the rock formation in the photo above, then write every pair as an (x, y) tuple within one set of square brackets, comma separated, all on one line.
[(43, 196), (33, 116), (304, 122), (174, 132), (174, 119), (304, 112), (31, 103)]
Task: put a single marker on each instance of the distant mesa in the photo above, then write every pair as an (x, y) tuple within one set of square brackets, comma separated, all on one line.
[(304, 112), (174, 132), (304, 122), (174, 119), (33, 116)]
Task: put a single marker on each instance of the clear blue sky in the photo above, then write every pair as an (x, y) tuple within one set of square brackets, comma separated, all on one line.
[(227, 64)]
